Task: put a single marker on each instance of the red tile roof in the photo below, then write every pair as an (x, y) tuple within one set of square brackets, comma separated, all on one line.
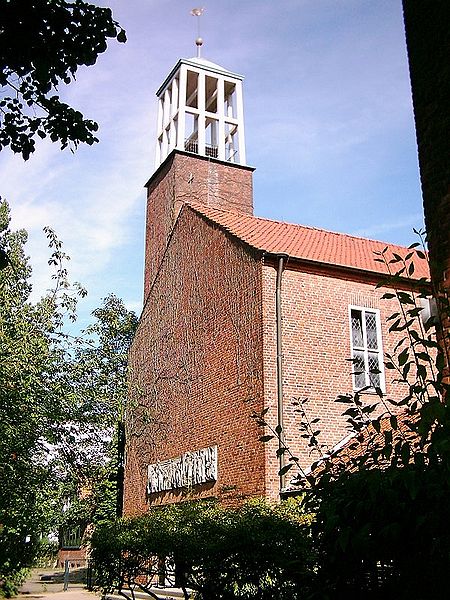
[(307, 243), (405, 429), (356, 451)]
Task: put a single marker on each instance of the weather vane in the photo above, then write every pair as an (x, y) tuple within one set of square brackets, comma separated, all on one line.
[(197, 12)]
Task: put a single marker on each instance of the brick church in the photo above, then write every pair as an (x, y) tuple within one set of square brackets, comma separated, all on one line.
[(241, 314)]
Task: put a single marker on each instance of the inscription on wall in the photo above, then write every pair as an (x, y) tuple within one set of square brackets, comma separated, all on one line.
[(191, 468)]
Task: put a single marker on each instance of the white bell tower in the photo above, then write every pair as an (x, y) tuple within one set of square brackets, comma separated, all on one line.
[(201, 111)]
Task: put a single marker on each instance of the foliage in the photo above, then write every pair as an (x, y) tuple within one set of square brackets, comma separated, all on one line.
[(99, 368), (381, 525), (43, 43), (384, 533), (12, 583), (89, 453), (47, 553), (59, 400), (97, 389), (255, 551), (31, 394)]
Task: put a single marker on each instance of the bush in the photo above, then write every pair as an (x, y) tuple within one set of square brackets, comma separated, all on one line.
[(11, 583), (255, 551), (47, 554)]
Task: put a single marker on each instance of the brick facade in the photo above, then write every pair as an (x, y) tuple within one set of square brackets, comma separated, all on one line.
[(204, 356), (316, 351), (183, 177), (197, 365), (75, 556)]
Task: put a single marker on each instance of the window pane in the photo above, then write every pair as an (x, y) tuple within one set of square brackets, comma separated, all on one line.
[(358, 369), (371, 331), (374, 368), (357, 332)]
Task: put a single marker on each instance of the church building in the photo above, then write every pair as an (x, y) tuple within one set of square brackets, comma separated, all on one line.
[(241, 314)]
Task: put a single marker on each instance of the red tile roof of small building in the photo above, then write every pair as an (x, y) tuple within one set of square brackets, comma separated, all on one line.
[(357, 450), (308, 243)]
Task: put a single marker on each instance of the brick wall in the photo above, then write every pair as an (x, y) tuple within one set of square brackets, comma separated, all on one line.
[(186, 177), (75, 556), (426, 25), (197, 366), (316, 346)]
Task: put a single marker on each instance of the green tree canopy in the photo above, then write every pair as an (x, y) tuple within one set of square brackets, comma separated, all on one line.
[(31, 393), (42, 45), (60, 399)]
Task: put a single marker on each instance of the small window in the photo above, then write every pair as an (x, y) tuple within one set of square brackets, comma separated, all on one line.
[(367, 351), (71, 537)]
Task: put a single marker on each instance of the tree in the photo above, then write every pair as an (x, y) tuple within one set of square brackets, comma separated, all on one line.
[(42, 45), (31, 393), (97, 374), (60, 400)]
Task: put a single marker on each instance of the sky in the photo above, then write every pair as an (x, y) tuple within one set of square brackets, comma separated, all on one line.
[(328, 122)]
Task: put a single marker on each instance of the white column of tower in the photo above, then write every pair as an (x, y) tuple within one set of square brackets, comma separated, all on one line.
[(182, 108), (158, 157), (201, 113), (171, 120), (240, 119), (166, 119), (221, 117), (174, 112)]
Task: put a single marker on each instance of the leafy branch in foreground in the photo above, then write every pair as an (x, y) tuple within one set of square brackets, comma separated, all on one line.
[(43, 44), (380, 502)]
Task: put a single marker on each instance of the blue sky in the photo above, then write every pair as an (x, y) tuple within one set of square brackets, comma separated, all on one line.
[(329, 128)]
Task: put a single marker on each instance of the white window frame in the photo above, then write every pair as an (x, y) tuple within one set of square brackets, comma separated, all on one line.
[(365, 349)]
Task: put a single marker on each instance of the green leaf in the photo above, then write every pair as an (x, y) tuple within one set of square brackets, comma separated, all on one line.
[(122, 36), (403, 357), (285, 469)]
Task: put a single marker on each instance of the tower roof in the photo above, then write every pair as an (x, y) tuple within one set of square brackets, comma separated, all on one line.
[(199, 63)]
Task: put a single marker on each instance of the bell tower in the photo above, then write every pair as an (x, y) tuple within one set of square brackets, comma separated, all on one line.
[(200, 110), (200, 151)]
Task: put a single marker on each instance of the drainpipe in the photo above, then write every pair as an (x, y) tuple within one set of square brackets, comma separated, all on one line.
[(282, 259)]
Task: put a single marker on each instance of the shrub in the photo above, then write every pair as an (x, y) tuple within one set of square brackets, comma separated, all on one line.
[(11, 583), (255, 551)]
